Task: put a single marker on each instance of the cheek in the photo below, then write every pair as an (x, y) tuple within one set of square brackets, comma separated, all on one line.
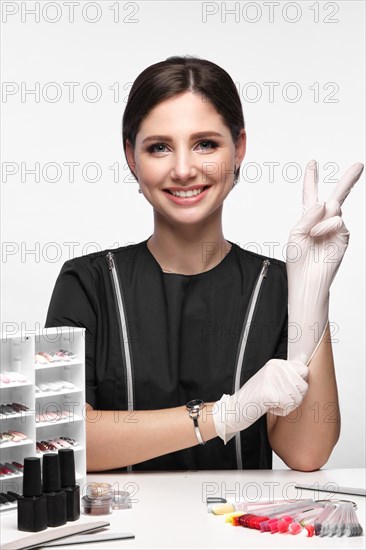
[(151, 175), (150, 171), (225, 171)]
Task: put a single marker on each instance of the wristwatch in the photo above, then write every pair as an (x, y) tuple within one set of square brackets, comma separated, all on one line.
[(194, 408)]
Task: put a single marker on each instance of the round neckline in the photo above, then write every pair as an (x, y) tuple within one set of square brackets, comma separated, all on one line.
[(183, 274)]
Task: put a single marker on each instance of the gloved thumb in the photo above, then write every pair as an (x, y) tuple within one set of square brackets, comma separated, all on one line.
[(326, 226), (301, 369)]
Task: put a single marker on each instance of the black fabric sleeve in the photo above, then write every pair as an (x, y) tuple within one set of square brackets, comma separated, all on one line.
[(72, 305)]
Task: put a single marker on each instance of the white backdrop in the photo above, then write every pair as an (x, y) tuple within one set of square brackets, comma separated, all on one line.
[(67, 68)]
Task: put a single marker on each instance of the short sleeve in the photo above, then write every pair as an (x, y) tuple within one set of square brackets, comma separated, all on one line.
[(72, 305)]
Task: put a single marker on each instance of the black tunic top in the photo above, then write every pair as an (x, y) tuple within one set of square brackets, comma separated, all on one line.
[(184, 334)]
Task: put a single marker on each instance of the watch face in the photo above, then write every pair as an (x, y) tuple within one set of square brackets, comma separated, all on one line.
[(195, 403)]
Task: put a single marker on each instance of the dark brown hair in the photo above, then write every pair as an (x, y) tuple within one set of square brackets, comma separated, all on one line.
[(175, 75)]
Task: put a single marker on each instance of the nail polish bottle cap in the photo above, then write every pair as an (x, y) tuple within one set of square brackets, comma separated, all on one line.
[(67, 466), (32, 477), (51, 473)]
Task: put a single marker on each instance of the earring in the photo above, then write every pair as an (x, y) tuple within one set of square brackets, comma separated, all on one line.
[(140, 190)]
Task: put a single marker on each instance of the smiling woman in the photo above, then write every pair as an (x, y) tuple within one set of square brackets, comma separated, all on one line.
[(186, 316), (184, 166)]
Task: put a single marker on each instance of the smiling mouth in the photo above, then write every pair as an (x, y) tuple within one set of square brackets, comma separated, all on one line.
[(184, 194)]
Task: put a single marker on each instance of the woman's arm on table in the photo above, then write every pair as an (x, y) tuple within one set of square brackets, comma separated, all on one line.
[(116, 439)]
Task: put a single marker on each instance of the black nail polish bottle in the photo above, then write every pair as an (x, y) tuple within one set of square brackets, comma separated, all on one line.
[(67, 465), (56, 498), (32, 506)]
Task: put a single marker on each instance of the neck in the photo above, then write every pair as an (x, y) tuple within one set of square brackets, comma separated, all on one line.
[(188, 249)]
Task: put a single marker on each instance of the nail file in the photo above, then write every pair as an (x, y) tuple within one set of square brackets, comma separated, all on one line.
[(88, 539), (334, 489), (33, 541)]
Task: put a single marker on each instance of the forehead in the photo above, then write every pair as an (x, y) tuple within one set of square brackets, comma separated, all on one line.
[(182, 112)]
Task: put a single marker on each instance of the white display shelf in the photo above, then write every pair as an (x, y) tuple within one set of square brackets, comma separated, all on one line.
[(17, 355), (56, 364), (55, 393), (15, 415), (13, 444), (12, 476), (58, 422), (10, 385)]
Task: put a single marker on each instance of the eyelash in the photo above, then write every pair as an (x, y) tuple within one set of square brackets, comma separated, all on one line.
[(151, 148)]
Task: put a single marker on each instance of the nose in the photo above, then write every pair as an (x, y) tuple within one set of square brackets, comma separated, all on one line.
[(183, 166)]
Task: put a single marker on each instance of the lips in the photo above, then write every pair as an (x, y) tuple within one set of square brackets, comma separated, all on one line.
[(190, 200), (197, 187)]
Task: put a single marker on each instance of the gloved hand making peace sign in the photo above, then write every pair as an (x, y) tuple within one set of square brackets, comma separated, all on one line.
[(315, 250)]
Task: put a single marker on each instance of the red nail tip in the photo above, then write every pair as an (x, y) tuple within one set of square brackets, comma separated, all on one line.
[(243, 520), (310, 530)]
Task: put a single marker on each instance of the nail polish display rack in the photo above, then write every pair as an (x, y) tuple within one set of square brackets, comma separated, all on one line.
[(58, 410)]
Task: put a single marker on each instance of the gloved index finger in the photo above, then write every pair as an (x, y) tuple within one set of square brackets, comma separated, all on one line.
[(346, 182), (310, 185)]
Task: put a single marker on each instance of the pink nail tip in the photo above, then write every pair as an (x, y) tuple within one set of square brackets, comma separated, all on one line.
[(295, 528), (274, 527), (282, 526)]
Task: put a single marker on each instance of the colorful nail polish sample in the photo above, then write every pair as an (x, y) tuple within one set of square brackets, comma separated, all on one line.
[(4, 470), (19, 407), (6, 437), (19, 436), (15, 376), (40, 359)]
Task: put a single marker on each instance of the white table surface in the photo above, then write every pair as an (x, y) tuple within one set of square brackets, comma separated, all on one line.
[(169, 509)]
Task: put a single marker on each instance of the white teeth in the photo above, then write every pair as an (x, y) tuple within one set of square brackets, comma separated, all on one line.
[(187, 193)]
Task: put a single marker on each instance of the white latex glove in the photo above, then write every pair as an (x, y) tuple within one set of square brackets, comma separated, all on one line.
[(278, 387), (315, 250)]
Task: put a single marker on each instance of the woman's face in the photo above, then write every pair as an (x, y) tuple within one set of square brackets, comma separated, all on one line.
[(168, 156)]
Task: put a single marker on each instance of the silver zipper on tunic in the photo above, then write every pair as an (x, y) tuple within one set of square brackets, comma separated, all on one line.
[(242, 346), (124, 334)]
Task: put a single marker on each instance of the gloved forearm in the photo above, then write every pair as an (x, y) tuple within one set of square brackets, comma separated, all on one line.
[(315, 250)]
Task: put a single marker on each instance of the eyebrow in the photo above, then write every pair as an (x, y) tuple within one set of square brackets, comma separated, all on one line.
[(197, 135)]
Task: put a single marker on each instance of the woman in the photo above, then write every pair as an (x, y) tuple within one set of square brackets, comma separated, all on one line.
[(188, 315)]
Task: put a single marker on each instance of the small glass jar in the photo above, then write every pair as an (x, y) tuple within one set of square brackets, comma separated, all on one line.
[(98, 499), (121, 500)]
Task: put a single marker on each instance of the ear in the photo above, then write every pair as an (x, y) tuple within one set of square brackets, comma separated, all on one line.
[(130, 156), (240, 146)]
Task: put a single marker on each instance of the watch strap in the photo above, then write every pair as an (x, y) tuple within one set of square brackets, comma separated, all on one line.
[(194, 408), (197, 430)]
